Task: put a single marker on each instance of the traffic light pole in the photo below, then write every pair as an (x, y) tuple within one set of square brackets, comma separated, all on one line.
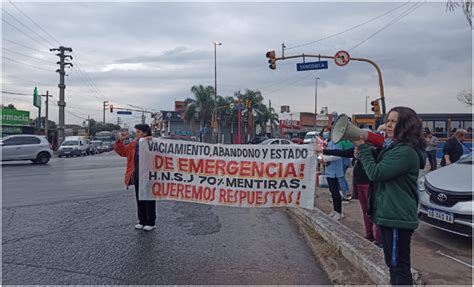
[(46, 124), (379, 73), (105, 103)]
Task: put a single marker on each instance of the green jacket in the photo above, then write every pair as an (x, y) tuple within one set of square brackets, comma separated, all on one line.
[(394, 175)]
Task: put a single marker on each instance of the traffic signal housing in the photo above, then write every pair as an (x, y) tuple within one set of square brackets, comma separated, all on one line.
[(271, 59), (111, 108), (376, 108)]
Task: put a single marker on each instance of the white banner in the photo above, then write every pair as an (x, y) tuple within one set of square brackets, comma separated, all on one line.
[(228, 175)]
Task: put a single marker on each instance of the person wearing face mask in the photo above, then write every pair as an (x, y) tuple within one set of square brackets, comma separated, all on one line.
[(333, 172), (146, 208), (393, 196)]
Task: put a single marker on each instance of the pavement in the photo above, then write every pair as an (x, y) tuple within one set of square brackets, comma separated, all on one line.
[(438, 257), (70, 222)]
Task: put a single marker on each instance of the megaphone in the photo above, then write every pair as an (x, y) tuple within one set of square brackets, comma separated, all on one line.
[(343, 129)]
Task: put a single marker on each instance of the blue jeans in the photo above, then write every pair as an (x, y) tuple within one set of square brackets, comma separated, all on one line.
[(342, 180)]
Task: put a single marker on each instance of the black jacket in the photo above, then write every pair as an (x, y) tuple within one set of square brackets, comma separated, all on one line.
[(452, 148)]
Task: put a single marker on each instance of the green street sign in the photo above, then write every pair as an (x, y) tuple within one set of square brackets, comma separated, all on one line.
[(13, 117), (36, 98)]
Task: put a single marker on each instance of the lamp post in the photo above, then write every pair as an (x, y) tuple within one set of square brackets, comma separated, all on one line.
[(316, 103), (366, 98), (216, 130)]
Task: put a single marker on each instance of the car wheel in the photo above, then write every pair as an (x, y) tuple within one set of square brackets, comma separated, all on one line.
[(60, 156), (43, 158)]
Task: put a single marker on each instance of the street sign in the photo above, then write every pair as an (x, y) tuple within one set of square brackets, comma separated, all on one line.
[(124, 113), (311, 66), (342, 58)]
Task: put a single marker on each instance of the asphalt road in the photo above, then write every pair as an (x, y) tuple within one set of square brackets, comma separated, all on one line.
[(71, 222)]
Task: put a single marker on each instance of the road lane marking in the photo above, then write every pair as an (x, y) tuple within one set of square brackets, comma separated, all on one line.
[(455, 259)]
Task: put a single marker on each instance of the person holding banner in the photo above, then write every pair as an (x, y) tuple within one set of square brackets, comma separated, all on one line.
[(146, 208), (393, 198)]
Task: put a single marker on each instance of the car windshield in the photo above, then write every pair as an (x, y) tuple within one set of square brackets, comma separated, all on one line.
[(309, 136), (70, 143), (267, 141), (466, 160)]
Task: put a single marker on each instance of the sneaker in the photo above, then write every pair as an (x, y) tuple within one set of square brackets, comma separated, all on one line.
[(338, 216), (139, 226), (149, 227), (332, 214), (345, 201)]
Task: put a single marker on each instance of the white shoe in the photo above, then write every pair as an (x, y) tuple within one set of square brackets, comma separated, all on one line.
[(338, 216), (149, 227), (139, 226), (332, 214)]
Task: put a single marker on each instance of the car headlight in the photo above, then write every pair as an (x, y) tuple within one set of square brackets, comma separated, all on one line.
[(421, 183)]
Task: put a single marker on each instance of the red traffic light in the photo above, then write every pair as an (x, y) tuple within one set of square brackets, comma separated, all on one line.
[(111, 108), (272, 59)]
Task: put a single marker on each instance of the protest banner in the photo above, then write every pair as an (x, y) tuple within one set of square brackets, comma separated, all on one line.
[(228, 175)]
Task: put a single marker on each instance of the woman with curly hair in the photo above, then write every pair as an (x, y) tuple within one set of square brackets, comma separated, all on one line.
[(393, 198)]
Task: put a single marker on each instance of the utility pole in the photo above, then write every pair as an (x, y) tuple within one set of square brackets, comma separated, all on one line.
[(105, 103), (46, 121), (316, 104), (118, 121), (143, 117), (62, 86), (88, 126)]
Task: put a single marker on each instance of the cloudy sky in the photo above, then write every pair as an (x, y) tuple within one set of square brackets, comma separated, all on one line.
[(150, 54)]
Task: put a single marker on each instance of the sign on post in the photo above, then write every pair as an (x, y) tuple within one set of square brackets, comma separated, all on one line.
[(341, 58), (15, 117), (312, 66), (124, 113)]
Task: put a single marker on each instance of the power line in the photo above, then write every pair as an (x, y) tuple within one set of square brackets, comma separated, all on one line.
[(13, 93), (21, 31), (6, 58), (42, 38), (11, 51), (393, 21), (19, 44), (349, 29), (36, 24)]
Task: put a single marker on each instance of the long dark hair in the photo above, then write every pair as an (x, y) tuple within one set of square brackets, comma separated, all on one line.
[(144, 128), (408, 129)]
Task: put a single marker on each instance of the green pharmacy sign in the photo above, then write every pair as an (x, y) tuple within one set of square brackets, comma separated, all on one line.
[(13, 117)]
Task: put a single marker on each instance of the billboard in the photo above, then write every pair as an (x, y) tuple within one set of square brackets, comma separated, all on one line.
[(15, 117)]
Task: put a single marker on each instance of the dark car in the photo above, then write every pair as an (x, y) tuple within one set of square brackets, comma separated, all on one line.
[(297, 140), (257, 140)]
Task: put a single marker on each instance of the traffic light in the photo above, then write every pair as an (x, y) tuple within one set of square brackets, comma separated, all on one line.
[(111, 108), (248, 104), (376, 108), (272, 59)]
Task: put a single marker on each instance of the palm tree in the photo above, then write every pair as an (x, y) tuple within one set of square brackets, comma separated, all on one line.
[(269, 115), (202, 103)]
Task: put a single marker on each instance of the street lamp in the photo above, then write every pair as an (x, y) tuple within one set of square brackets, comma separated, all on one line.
[(316, 103), (215, 86), (366, 98)]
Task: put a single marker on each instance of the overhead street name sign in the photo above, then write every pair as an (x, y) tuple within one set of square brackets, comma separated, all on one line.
[(124, 113), (312, 66)]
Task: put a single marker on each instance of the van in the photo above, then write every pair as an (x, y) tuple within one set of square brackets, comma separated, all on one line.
[(73, 146), (310, 137)]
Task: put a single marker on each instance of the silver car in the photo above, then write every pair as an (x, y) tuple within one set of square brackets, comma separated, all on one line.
[(446, 197), (26, 147), (277, 141)]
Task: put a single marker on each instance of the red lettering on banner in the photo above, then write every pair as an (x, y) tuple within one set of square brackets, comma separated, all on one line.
[(220, 167), (232, 167), (160, 162), (245, 169)]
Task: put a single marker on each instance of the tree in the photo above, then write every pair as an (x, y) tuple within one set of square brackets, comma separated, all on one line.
[(202, 103), (10, 106), (466, 6), (465, 97)]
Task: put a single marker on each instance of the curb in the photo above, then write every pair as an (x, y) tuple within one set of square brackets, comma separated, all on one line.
[(358, 251)]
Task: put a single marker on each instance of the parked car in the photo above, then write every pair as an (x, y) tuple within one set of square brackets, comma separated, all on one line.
[(26, 147), (310, 137), (73, 146), (98, 145), (446, 197), (277, 141), (90, 148), (258, 140), (297, 140)]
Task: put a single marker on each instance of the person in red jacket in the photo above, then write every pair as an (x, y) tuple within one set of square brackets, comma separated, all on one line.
[(146, 208)]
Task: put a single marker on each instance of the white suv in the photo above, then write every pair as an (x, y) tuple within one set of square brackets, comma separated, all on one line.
[(26, 147)]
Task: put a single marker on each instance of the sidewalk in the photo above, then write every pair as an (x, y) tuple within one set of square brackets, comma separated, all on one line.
[(427, 244)]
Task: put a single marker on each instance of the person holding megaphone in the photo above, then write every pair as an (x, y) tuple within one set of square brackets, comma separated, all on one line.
[(393, 198)]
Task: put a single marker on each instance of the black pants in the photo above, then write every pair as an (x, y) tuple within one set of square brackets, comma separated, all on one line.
[(146, 210), (336, 196), (400, 270), (432, 159)]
